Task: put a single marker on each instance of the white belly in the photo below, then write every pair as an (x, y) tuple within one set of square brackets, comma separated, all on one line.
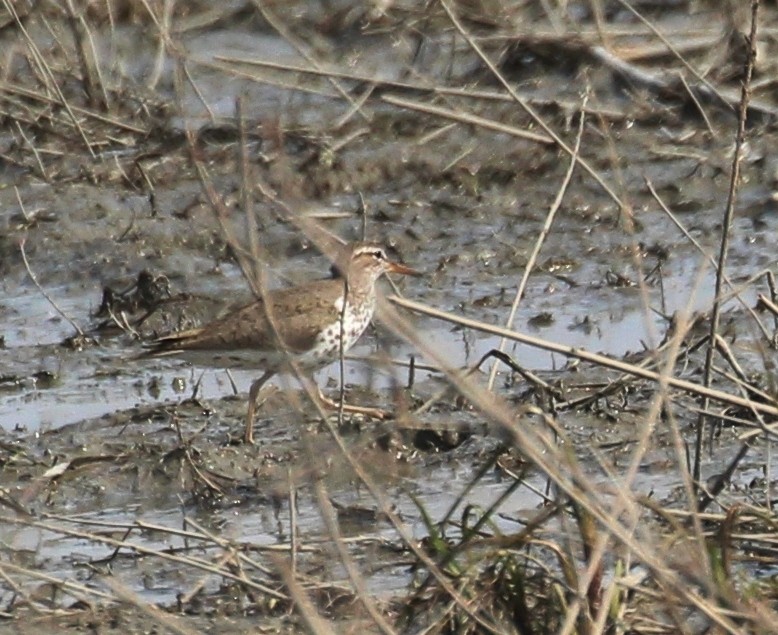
[(340, 335)]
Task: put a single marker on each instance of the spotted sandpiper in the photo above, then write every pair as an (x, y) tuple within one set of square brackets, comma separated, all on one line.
[(308, 324)]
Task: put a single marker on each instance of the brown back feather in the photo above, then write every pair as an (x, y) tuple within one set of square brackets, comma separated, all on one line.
[(294, 315)]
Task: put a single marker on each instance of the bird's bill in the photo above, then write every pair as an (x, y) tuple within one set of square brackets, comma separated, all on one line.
[(396, 267)]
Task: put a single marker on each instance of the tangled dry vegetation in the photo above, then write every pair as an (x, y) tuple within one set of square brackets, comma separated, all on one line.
[(598, 113)]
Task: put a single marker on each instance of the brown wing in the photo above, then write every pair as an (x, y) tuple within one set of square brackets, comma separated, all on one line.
[(297, 312)]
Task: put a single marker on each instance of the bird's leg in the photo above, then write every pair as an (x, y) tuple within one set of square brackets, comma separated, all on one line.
[(248, 435), (375, 413)]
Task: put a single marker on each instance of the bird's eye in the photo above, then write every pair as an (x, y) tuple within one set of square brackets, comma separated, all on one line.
[(379, 255)]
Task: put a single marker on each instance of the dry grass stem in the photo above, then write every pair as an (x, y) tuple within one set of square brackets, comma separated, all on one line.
[(721, 263), (600, 360), (542, 236)]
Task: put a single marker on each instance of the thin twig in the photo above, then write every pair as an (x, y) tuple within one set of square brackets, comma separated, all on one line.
[(566, 475), (196, 563), (734, 184), (629, 7), (293, 537), (14, 89), (578, 353), (43, 291), (163, 619), (735, 291), (361, 589), (468, 118), (542, 236), (312, 59), (315, 623), (46, 71), (34, 151), (527, 107)]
